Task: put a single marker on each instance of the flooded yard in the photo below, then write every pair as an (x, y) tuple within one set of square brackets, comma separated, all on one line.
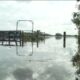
[(49, 61), (32, 33)]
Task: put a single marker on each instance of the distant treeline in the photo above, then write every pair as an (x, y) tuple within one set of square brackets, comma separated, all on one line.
[(36, 35), (60, 35)]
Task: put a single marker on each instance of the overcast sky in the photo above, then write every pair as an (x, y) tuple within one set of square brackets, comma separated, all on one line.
[(48, 16)]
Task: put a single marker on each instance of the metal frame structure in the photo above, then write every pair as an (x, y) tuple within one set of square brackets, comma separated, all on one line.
[(17, 23), (23, 21)]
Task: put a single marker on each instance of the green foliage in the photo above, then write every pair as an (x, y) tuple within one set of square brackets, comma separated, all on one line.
[(76, 21), (76, 60), (36, 36), (76, 18)]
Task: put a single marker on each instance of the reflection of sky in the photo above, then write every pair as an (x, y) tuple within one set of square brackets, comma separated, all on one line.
[(48, 16), (13, 66), (53, 16), (56, 72)]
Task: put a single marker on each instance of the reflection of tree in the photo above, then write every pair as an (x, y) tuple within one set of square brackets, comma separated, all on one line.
[(58, 36)]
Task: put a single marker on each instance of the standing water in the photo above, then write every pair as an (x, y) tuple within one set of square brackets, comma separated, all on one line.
[(49, 61)]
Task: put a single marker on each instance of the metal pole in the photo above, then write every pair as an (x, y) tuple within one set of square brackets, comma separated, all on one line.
[(16, 32)]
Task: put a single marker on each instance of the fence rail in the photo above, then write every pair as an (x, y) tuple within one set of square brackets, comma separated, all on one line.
[(11, 36)]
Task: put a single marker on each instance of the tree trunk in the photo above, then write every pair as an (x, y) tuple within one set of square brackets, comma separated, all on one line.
[(78, 41), (78, 36)]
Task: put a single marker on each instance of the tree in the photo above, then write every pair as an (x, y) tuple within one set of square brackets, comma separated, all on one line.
[(76, 19), (76, 57)]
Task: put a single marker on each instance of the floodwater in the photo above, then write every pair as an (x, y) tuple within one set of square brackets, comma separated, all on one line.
[(48, 61)]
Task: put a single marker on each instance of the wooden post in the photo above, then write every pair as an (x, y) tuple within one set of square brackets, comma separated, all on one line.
[(44, 37), (20, 38), (2, 37), (64, 39), (37, 38), (16, 38), (9, 38)]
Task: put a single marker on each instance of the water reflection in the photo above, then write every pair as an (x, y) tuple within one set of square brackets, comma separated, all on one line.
[(49, 62), (23, 74), (58, 37), (55, 72), (31, 45)]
